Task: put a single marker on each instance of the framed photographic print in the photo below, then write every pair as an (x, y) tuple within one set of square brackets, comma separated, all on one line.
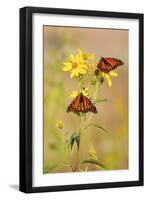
[(81, 99)]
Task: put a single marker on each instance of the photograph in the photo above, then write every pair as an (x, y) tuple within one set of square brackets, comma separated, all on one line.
[(81, 102), (72, 100), (85, 99)]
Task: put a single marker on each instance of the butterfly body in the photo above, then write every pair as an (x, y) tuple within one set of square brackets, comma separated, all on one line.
[(108, 64), (81, 104)]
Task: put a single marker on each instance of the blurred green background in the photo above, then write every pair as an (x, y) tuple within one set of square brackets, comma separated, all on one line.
[(112, 148)]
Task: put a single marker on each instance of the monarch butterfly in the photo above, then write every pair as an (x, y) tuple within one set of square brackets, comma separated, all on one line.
[(81, 104), (108, 64)]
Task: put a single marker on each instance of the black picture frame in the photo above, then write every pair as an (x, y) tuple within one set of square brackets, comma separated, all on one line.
[(26, 14)]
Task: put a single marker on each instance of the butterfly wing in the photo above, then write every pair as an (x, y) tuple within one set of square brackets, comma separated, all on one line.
[(108, 64), (114, 62), (103, 66), (88, 106), (73, 107), (81, 104)]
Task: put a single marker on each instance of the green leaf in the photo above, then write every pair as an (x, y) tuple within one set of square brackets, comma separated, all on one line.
[(77, 139), (50, 168), (72, 142), (94, 161), (97, 126), (74, 138)]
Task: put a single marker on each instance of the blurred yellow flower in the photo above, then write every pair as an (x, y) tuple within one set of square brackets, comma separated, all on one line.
[(75, 65), (92, 152), (85, 56), (85, 92), (113, 73), (107, 76), (74, 94), (59, 124)]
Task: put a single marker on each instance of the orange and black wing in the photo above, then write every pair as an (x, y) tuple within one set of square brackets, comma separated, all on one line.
[(108, 64), (81, 104), (88, 106), (74, 106)]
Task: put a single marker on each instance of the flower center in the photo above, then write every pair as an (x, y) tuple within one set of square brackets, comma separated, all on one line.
[(74, 65), (85, 56)]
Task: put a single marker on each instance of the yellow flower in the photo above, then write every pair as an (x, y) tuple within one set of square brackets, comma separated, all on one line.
[(107, 76), (85, 92), (85, 56), (59, 124), (75, 65), (113, 73), (92, 67), (74, 94), (92, 152), (89, 59)]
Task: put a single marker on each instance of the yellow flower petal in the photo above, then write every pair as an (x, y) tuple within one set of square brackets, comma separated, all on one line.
[(81, 71), (113, 73), (79, 51), (82, 66), (85, 91), (65, 63), (80, 54), (73, 73), (71, 57), (77, 58), (74, 94), (67, 67), (91, 56), (108, 80), (59, 124)]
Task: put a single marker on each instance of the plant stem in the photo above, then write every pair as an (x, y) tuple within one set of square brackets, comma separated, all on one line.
[(68, 158), (82, 120), (83, 123), (77, 159)]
